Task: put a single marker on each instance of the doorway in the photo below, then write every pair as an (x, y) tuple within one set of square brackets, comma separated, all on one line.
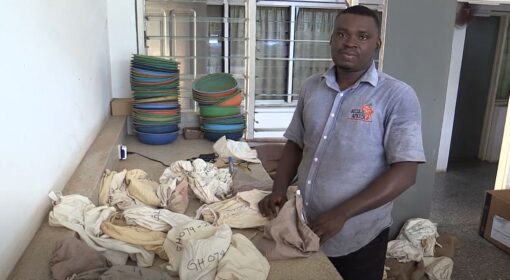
[(474, 87)]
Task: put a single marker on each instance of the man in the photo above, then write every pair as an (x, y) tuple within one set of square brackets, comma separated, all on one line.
[(354, 142)]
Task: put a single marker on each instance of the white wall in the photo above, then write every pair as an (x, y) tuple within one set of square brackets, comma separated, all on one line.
[(418, 50), (496, 133), (122, 38), (272, 122), (459, 36), (503, 175), (55, 92)]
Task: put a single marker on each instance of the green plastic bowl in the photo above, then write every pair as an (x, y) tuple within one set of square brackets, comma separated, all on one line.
[(215, 83), (217, 111)]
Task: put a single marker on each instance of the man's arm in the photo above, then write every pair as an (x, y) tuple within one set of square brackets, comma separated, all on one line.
[(285, 172), (398, 178)]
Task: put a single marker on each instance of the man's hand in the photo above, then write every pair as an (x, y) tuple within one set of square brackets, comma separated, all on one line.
[(272, 203), (286, 170), (383, 189), (328, 224)]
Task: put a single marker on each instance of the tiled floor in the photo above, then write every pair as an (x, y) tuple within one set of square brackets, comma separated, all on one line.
[(457, 205)]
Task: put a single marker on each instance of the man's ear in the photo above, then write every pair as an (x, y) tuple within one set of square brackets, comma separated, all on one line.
[(330, 39), (379, 43)]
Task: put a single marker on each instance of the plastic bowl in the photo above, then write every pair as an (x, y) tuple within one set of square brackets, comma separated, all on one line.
[(214, 96), (223, 127), (157, 138), (170, 112), (156, 106), (164, 128), (234, 100), (215, 83), (214, 136), (217, 111)]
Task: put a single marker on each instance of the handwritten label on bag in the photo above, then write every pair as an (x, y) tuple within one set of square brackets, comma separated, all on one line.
[(188, 231), (199, 263)]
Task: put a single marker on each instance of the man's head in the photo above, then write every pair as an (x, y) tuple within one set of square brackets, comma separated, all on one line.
[(355, 37)]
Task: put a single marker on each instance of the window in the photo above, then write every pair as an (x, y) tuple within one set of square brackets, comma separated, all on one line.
[(292, 44), (311, 49), (272, 52), (196, 34), (208, 36)]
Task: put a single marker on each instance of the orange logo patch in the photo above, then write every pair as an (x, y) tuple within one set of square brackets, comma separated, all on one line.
[(362, 114)]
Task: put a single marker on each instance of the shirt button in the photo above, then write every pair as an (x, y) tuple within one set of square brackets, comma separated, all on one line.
[(332, 115), (325, 137), (315, 159), (309, 182), (306, 203), (341, 94)]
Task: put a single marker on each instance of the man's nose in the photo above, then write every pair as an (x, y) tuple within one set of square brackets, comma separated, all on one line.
[(351, 42)]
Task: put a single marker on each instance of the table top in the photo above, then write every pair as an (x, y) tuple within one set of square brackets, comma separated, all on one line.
[(316, 266)]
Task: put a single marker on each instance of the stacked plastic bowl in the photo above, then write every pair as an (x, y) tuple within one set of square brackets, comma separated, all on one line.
[(220, 106), (156, 110)]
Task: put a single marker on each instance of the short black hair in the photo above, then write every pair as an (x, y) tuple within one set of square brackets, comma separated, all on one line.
[(362, 11)]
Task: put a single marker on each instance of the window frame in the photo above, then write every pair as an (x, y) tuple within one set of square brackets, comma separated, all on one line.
[(251, 103)]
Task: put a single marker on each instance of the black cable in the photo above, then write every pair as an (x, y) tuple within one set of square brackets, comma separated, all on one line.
[(206, 157), (135, 153)]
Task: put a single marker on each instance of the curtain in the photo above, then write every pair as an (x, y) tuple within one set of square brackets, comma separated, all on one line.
[(215, 32), (272, 35), (271, 75), (237, 50), (311, 24)]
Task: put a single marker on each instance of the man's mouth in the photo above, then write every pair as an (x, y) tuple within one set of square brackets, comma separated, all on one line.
[(348, 54)]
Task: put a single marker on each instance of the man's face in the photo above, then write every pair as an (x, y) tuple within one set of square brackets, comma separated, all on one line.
[(354, 41)]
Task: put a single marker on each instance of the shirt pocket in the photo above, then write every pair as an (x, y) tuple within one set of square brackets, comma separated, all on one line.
[(361, 124)]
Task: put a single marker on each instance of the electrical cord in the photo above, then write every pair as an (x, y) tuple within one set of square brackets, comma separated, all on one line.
[(206, 157), (135, 153)]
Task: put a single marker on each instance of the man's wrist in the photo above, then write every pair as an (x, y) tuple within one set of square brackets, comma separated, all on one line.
[(279, 189), (342, 212)]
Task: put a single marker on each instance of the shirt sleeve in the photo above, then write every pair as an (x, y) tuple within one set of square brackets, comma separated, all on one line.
[(403, 137), (296, 129)]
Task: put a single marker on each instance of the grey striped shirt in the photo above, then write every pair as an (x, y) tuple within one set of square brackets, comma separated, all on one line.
[(348, 139)]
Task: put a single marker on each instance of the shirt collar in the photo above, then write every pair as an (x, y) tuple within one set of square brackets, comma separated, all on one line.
[(371, 76)]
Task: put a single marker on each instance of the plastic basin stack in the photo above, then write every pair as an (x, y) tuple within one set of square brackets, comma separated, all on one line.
[(156, 110), (220, 106)]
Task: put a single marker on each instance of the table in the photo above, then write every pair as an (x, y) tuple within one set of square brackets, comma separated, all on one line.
[(316, 267)]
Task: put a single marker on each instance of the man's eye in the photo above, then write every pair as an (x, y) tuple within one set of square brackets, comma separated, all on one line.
[(363, 37), (340, 35)]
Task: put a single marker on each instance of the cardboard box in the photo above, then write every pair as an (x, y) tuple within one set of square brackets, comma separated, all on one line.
[(495, 222), (192, 133), (120, 106)]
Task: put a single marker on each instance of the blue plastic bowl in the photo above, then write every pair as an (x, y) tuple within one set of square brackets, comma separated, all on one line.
[(223, 127), (157, 138), (214, 136), (164, 128)]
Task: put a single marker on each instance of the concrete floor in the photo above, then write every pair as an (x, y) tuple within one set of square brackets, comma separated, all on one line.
[(457, 206)]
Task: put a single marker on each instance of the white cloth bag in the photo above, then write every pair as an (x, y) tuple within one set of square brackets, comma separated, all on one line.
[(422, 233), (79, 214), (208, 183), (240, 211), (236, 149), (242, 261), (154, 219), (194, 249)]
